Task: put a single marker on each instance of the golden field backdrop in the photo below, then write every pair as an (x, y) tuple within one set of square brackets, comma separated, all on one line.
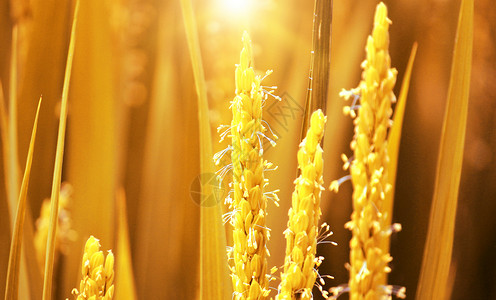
[(133, 124)]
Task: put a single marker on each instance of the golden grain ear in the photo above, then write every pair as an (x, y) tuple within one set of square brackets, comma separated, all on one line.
[(249, 198), (12, 285), (57, 172), (369, 168), (97, 272), (214, 275), (303, 229), (433, 283)]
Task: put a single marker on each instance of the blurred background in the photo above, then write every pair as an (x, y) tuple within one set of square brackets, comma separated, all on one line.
[(133, 124)]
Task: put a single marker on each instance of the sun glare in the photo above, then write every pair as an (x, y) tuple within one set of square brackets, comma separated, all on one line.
[(236, 7)]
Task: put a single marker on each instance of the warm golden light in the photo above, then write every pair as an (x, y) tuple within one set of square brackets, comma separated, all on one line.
[(236, 7), (126, 160)]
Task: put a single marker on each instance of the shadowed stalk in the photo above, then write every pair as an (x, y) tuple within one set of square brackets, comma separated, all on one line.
[(4, 125), (12, 285), (57, 172), (214, 280), (433, 283), (318, 83), (13, 175)]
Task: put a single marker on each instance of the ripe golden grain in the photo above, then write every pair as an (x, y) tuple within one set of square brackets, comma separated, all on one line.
[(250, 234), (368, 262), (299, 274), (97, 272)]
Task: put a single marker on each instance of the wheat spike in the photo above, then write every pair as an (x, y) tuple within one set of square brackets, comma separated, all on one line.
[(64, 234), (250, 234), (368, 262), (299, 274), (98, 273)]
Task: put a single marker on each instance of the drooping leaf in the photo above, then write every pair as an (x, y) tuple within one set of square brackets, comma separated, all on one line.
[(433, 283)]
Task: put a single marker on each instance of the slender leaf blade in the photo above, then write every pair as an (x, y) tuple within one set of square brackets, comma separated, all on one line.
[(4, 125), (57, 172), (433, 283), (394, 140), (214, 275), (125, 287), (12, 174), (12, 285), (13, 163)]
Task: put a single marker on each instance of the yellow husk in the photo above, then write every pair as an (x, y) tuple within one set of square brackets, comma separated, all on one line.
[(97, 270), (369, 168), (433, 283), (300, 264), (249, 198)]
